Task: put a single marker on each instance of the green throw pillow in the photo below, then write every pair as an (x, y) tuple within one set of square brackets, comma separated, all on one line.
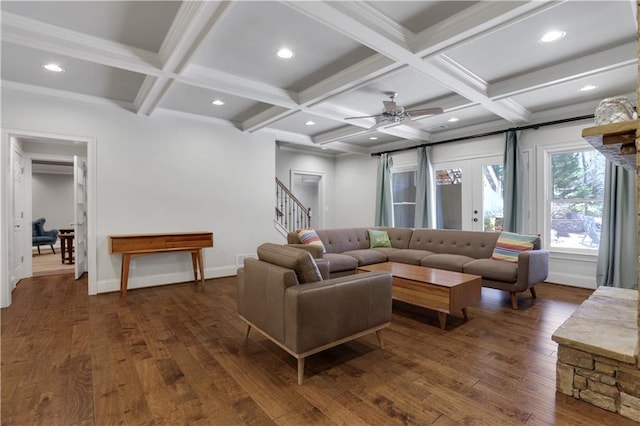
[(378, 239)]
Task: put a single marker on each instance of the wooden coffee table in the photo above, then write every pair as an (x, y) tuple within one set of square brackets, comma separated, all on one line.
[(443, 291)]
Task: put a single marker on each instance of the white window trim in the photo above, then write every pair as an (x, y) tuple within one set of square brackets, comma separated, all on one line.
[(543, 210), (400, 169)]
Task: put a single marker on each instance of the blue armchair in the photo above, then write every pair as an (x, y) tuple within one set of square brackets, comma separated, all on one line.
[(41, 237)]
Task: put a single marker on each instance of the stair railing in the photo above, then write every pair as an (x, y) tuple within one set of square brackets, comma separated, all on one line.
[(291, 214)]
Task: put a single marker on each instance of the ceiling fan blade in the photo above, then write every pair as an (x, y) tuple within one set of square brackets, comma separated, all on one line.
[(426, 111), (390, 107), (362, 116)]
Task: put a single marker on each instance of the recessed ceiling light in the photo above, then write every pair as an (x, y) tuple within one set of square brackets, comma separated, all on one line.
[(552, 36), (453, 120), (310, 123), (323, 148), (53, 67), (588, 87), (217, 102), (285, 53), (373, 138)]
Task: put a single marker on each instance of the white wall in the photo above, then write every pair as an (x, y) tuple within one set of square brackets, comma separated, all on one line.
[(163, 174), (355, 192), (52, 199), (287, 160)]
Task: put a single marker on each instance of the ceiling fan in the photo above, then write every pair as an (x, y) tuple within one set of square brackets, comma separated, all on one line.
[(394, 114)]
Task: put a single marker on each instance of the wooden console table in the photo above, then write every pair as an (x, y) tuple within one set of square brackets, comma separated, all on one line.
[(133, 245)]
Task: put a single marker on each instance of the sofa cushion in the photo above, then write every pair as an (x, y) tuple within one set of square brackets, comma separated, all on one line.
[(474, 244), (367, 256), (450, 262), (341, 262), (341, 240), (378, 238), (509, 246), (299, 260), (493, 270), (409, 256), (399, 237), (310, 237)]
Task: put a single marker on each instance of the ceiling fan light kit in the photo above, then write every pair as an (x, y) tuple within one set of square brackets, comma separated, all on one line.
[(394, 114)]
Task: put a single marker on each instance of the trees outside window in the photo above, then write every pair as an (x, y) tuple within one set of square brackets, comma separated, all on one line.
[(575, 199)]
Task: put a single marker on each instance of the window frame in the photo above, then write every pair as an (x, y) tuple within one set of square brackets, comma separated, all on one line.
[(547, 199), (402, 169)]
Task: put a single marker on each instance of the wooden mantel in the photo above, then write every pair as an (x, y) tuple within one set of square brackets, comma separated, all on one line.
[(616, 141)]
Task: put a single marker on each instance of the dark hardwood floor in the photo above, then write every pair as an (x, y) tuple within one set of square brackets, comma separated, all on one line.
[(174, 356)]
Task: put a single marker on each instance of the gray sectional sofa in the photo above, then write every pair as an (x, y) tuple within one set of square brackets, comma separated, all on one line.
[(462, 251)]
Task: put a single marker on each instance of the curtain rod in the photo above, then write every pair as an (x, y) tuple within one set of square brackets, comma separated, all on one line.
[(496, 132)]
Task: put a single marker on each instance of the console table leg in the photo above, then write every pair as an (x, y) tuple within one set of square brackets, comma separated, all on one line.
[(194, 263), (124, 277), (201, 267), (464, 313), (443, 320)]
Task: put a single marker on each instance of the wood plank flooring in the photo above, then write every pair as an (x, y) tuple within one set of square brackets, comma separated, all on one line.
[(174, 356), (49, 263)]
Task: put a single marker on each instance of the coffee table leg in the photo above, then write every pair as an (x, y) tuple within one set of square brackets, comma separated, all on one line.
[(464, 312), (443, 320)]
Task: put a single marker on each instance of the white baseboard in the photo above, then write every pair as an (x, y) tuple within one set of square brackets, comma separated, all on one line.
[(572, 280), (111, 285)]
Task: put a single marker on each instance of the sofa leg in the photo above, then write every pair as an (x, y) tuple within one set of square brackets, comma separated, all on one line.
[(246, 333), (38, 249), (514, 300), (533, 292), (52, 249), (300, 370), (379, 336)]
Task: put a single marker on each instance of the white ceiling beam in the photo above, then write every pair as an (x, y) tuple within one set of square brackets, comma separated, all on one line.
[(219, 81), (40, 35), (265, 118), (481, 19), (596, 63), (192, 23)]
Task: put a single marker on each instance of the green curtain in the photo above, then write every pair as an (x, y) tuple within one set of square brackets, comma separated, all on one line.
[(618, 255), (513, 184), (383, 192), (425, 190)]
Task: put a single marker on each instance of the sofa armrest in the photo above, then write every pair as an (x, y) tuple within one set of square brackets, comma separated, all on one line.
[(316, 251), (533, 267), (320, 313)]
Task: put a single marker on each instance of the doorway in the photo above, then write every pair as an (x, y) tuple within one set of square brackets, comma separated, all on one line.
[(308, 188), (17, 248)]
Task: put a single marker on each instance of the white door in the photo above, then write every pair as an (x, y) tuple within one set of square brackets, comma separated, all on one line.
[(18, 209), (469, 194), (80, 213), (307, 187)]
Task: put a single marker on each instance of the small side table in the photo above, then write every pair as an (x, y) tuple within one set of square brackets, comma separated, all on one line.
[(66, 247)]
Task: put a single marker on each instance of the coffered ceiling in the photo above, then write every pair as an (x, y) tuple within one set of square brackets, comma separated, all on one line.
[(482, 62)]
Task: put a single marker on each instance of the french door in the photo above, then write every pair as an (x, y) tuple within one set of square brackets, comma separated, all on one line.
[(469, 194)]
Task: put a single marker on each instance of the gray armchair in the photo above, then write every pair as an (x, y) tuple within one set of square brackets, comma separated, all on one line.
[(283, 295), (41, 237)]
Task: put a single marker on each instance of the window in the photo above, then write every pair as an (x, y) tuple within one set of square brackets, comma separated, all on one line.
[(403, 186), (575, 199)]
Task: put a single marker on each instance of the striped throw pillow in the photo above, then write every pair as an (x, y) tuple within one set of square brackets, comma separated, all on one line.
[(509, 245), (309, 236)]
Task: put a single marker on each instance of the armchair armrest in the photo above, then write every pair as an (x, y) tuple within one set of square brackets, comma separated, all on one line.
[(533, 267), (317, 314), (316, 251)]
